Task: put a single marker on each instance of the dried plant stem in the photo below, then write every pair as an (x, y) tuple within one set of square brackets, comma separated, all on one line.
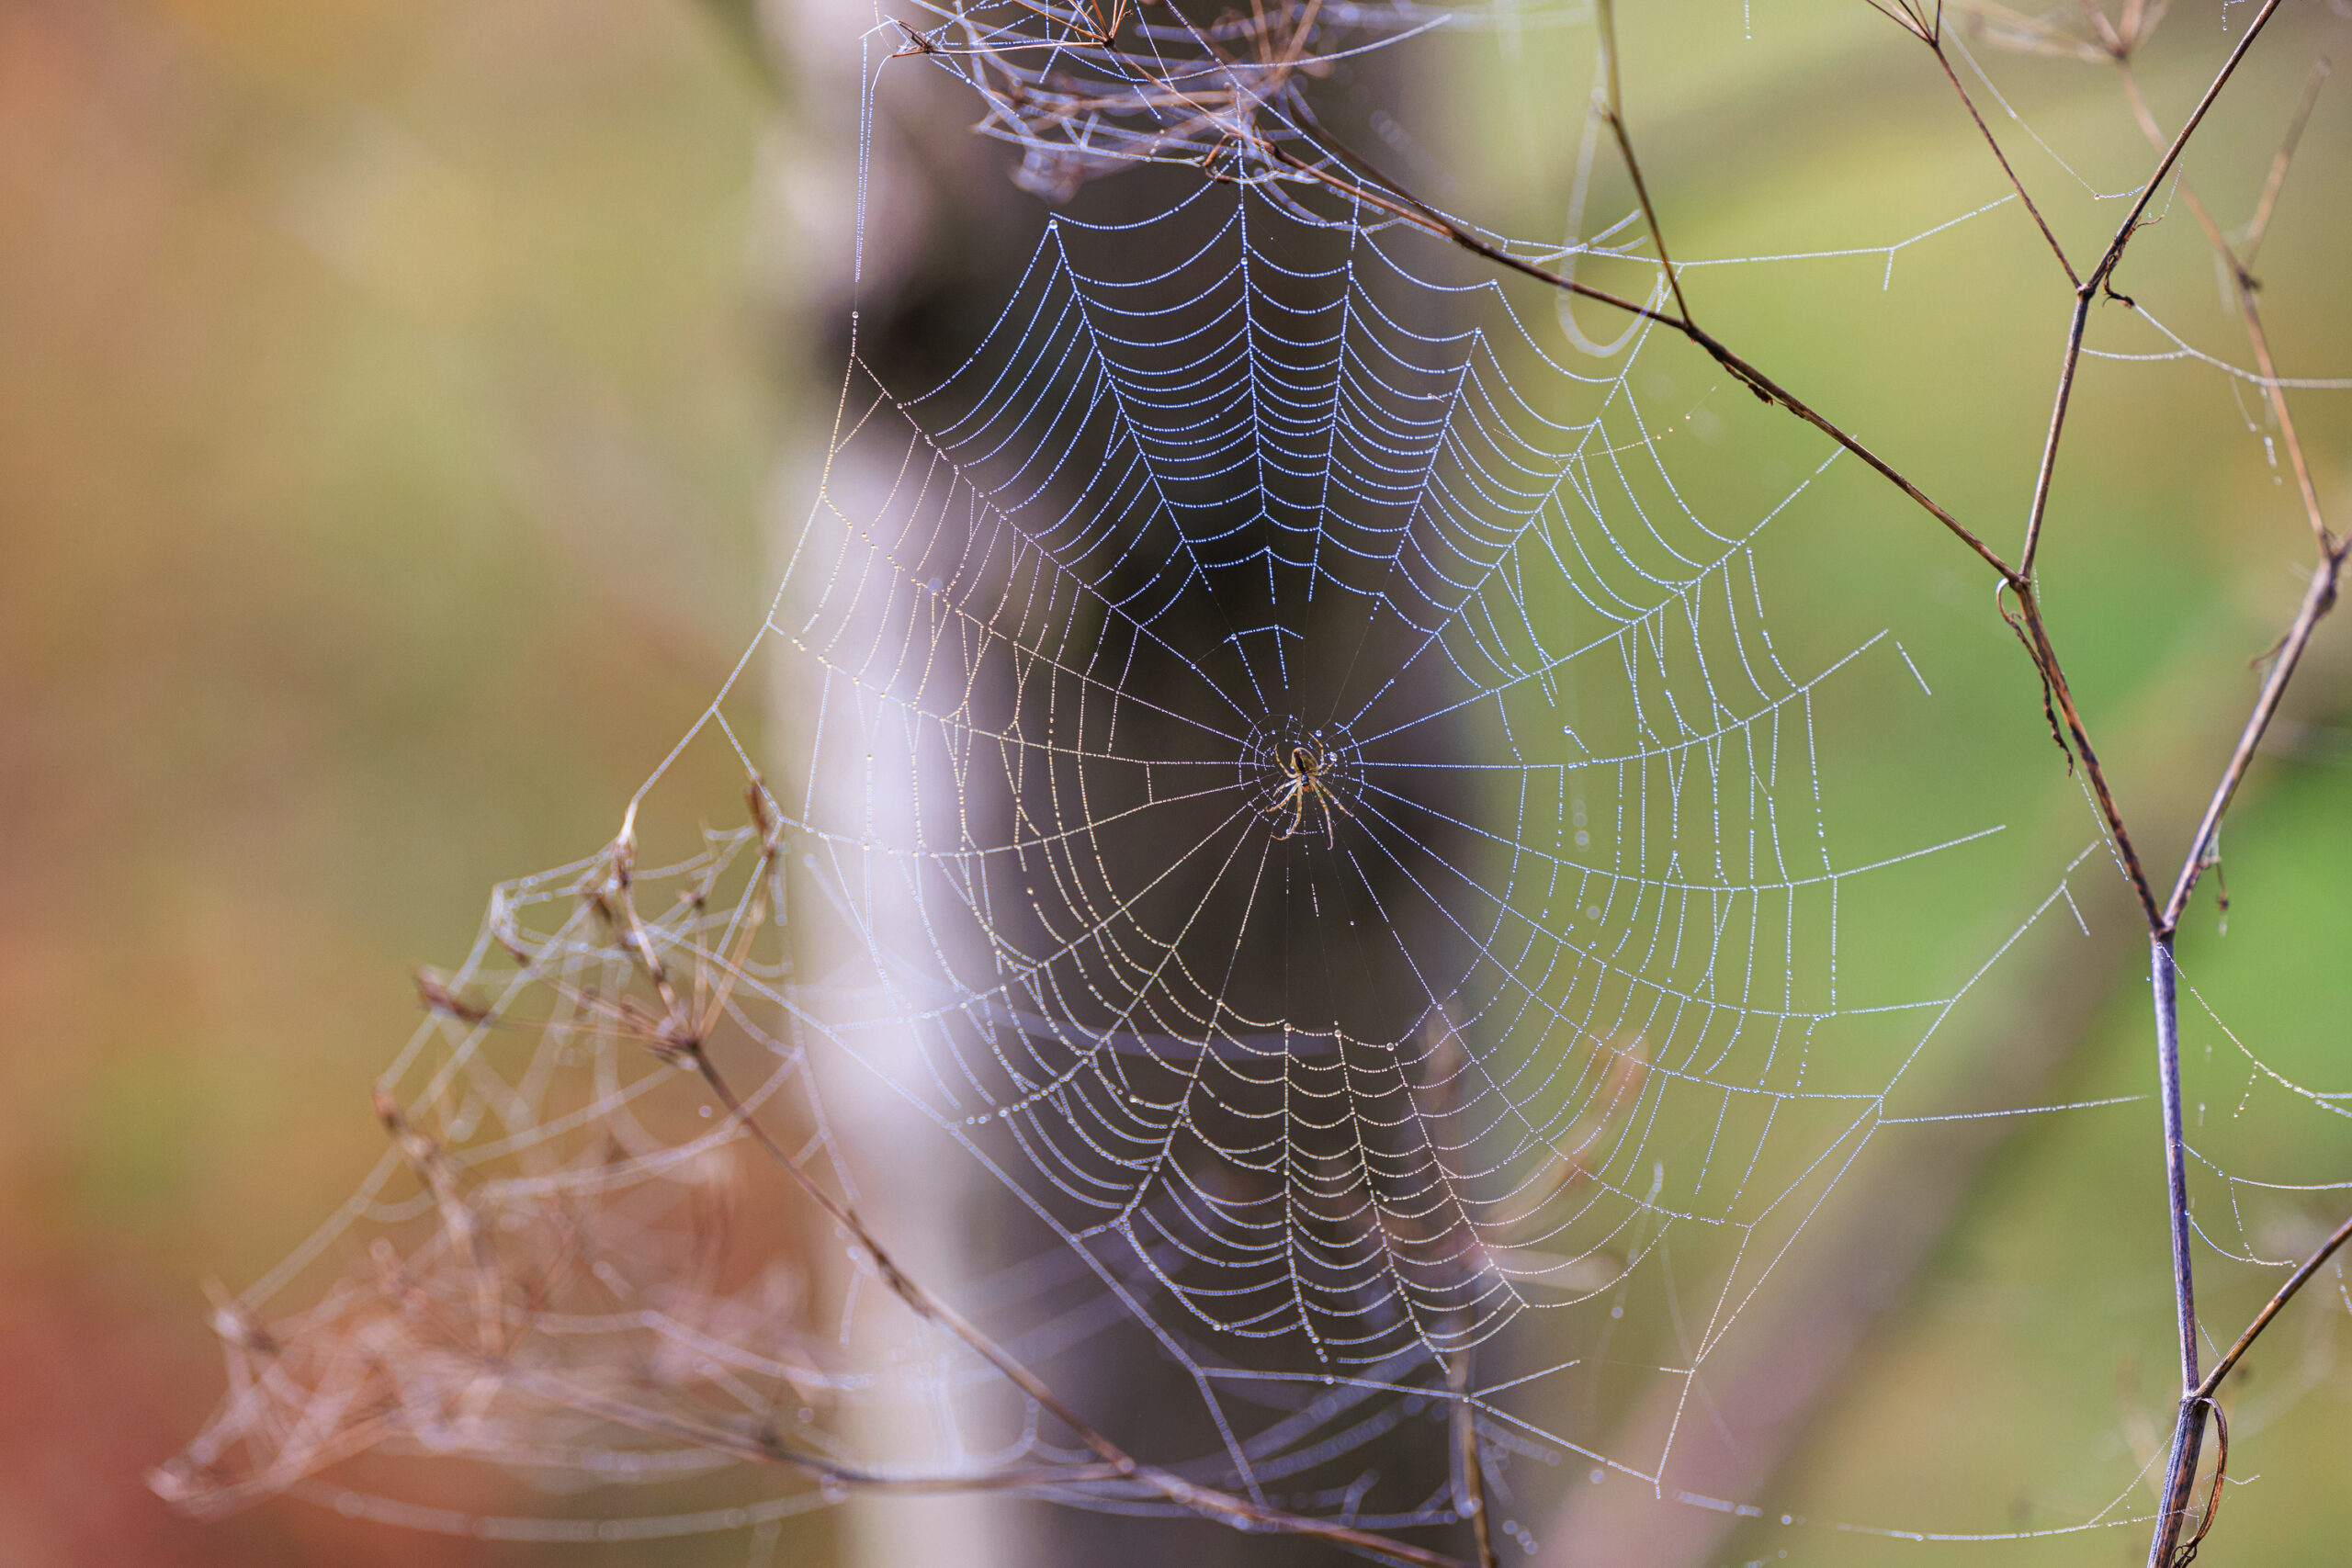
[(1929, 32), (2076, 324), (1613, 109), (2260, 224), (1465, 1443), (1397, 201), (2245, 286), (2018, 579), (2045, 658), (1770, 1384), (2318, 597), (2165, 1550), (768, 1448), (2123, 233), (2189, 1426), (2261, 1320)]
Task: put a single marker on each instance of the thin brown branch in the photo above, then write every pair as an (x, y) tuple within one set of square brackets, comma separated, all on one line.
[(1935, 47), (2067, 365), (2188, 1424), (1466, 1442), (2187, 1553), (1406, 205), (2318, 599), (1401, 203), (2083, 295), (2046, 658), (1771, 392), (2106, 263), (1903, 15), (2319, 596), (1613, 111), (2259, 225), (766, 1446), (2287, 436), (2295, 1281), (2243, 287)]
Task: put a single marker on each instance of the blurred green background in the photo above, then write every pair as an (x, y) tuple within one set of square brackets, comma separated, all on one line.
[(390, 395)]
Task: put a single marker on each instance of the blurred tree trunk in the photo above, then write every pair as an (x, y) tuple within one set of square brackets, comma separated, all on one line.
[(913, 1186)]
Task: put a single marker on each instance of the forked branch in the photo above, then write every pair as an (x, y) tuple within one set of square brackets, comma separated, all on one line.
[(2302, 1276), (1612, 110), (1928, 28), (2319, 596), (1342, 171)]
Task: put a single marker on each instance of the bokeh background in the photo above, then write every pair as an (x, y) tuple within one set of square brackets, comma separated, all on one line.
[(394, 401)]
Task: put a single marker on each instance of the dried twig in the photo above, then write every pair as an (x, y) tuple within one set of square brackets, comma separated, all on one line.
[(1465, 1448), (1928, 29)]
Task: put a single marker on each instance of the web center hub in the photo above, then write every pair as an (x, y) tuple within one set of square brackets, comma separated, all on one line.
[(1306, 778)]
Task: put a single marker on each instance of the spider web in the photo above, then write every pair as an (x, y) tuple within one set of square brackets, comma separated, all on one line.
[(1281, 778)]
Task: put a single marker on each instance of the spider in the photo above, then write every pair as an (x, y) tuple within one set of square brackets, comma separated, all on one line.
[(1304, 770)]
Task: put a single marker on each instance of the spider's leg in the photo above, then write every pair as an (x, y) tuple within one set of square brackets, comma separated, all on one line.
[(1281, 802), (1299, 809)]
